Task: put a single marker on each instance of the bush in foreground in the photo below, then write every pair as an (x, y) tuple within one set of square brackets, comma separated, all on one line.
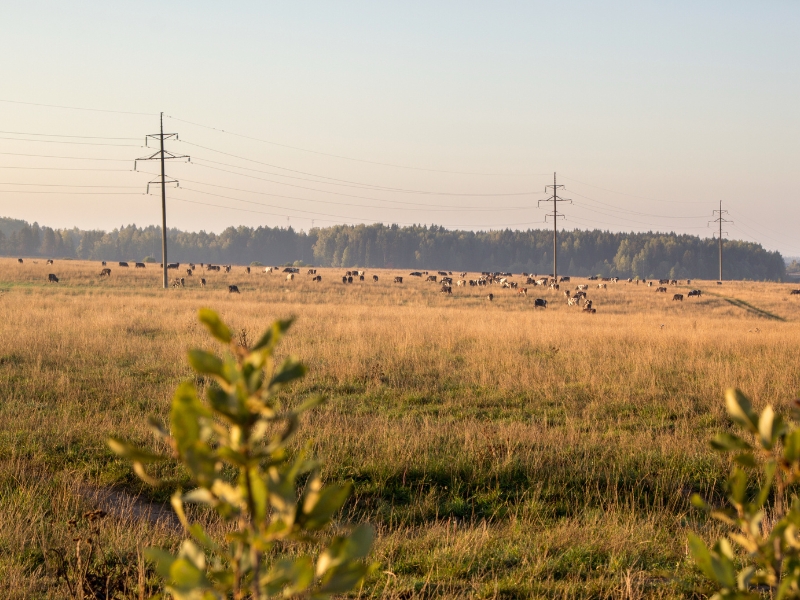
[(764, 526), (242, 428)]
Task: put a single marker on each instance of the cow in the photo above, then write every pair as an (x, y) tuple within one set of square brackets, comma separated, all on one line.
[(104, 263), (415, 274), (464, 274), (105, 273), (588, 310), (290, 277), (49, 261), (247, 270), (564, 280), (175, 266), (361, 278), (794, 293), (192, 267), (123, 264), (19, 260), (139, 265), (661, 289), (228, 269), (663, 281), (673, 282), (649, 284), (615, 280), (267, 269), (697, 293), (312, 272), (677, 297), (523, 291), (431, 278), (233, 289), (446, 289), (176, 283), (359, 273), (316, 278), (719, 283), (51, 278), (350, 279), (539, 302), (582, 287), (290, 270), (490, 297), (601, 286), (202, 282), (574, 301), (398, 280), (554, 286), (461, 283), (375, 279), (447, 280), (189, 272), (688, 282), (442, 273), (344, 278)]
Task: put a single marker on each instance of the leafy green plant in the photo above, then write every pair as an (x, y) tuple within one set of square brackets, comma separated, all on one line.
[(235, 448), (762, 551)]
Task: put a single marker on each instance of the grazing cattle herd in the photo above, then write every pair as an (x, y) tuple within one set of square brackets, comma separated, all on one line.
[(444, 279)]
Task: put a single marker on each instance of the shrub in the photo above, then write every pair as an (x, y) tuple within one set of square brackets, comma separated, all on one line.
[(764, 527), (149, 259), (241, 427)]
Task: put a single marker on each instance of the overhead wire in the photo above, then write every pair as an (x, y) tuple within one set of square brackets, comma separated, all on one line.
[(66, 157), (415, 205), (74, 143), (372, 162), (119, 112), (524, 193), (85, 137)]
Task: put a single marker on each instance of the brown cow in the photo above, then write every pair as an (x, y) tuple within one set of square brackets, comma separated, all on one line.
[(398, 280), (677, 297)]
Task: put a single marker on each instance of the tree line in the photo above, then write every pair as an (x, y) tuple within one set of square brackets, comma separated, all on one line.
[(580, 253)]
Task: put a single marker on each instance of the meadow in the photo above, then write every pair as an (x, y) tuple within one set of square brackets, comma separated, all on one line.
[(500, 451)]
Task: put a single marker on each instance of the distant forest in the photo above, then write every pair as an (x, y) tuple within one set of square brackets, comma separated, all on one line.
[(580, 253)]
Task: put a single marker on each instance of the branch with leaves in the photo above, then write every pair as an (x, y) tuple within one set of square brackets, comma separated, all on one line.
[(765, 531), (242, 428)]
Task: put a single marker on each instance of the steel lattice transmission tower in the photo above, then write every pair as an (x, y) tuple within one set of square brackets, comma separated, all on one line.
[(720, 219), (162, 155), (555, 199)]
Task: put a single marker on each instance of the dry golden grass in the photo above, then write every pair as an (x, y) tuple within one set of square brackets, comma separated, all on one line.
[(500, 451)]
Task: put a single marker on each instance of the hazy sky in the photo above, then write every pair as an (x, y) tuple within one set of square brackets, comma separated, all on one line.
[(650, 113)]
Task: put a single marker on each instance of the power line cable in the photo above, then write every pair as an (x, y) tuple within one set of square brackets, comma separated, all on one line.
[(70, 169), (371, 162), (416, 206), (64, 157), (359, 186), (335, 179), (70, 185), (631, 195), (634, 212), (75, 143), (85, 137), (119, 112)]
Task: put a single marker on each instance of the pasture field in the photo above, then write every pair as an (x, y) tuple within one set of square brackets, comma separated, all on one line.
[(500, 451)]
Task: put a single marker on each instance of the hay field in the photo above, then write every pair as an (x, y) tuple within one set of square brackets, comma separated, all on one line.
[(500, 451)]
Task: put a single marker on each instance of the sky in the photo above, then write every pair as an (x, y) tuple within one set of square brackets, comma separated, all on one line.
[(449, 113)]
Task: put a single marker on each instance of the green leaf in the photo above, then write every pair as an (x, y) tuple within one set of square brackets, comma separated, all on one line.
[(769, 475), (161, 559), (185, 416), (133, 453), (741, 410), (259, 494), (791, 446), (288, 577), (342, 549), (272, 336), (698, 502), (290, 370), (206, 363), (342, 579), (215, 326), (770, 428), (319, 507), (737, 486), (726, 442), (746, 459)]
